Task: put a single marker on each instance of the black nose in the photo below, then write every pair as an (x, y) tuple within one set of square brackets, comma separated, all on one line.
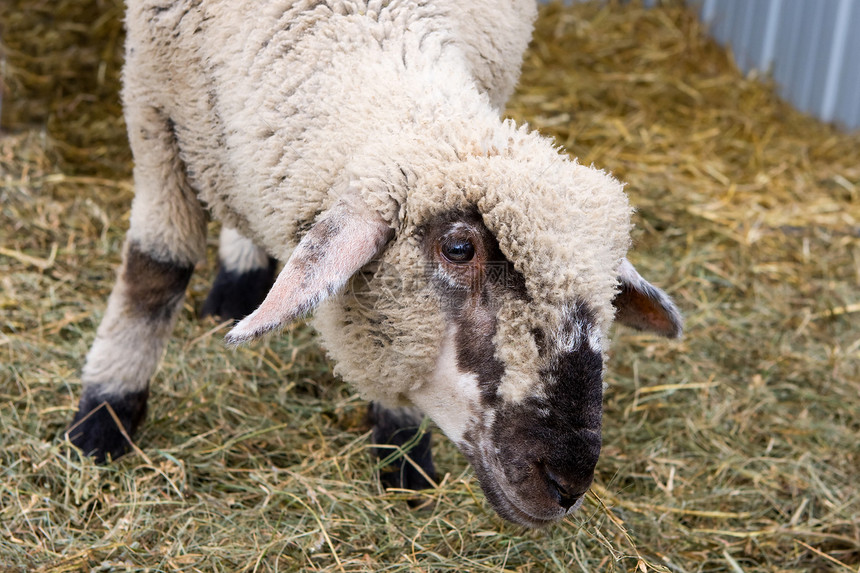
[(567, 493)]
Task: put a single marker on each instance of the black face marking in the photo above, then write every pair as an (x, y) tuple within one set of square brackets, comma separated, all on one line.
[(95, 431), (574, 392), (236, 295), (540, 341), (545, 447), (154, 288), (471, 289), (476, 353), (535, 457)]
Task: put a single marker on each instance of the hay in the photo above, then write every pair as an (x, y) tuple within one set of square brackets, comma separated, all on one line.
[(735, 449), (61, 72)]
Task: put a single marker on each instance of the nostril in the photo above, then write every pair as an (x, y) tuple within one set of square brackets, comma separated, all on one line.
[(566, 496)]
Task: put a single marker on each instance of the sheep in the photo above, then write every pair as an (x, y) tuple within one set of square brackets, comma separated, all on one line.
[(457, 265)]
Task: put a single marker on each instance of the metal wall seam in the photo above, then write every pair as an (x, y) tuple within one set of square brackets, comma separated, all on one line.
[(837, 60)]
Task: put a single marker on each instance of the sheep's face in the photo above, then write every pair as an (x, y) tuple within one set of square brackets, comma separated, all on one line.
[(490, 315), (534, 448)]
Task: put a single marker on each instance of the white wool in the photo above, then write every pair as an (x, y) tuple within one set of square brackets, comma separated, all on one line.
[(239, 254), (282, 107), (275, 102)]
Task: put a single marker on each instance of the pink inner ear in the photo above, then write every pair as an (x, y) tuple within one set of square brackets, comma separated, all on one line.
[(345, 239), (638, 310), (641, 305)]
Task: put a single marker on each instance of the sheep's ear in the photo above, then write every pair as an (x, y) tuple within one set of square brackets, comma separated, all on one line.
[(347, 237), (645, 307)]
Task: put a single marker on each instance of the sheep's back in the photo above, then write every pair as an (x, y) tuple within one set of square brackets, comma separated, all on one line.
[(264, 125)]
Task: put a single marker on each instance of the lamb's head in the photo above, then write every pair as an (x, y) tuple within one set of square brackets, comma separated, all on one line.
[(487, 304), (518, 377), (517, 388)]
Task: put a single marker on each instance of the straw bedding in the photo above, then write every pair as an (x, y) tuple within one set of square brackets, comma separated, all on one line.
[(735, 449)]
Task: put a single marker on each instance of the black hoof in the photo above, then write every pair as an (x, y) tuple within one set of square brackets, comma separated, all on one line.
[(401, 428), (236, 295), (95, 430)]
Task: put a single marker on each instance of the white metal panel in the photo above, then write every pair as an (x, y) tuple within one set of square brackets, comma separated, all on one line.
[(806, 80), (811, 47), (848, 93), (768, 41), (836, 70)]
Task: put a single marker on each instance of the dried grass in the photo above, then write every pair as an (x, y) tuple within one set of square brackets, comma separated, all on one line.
[(733, 450)]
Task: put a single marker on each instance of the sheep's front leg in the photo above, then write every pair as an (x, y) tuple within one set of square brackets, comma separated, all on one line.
[(245, 275), (128, 345), (399, 428), (165, 239)]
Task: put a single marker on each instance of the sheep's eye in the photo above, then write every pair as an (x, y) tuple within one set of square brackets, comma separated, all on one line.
[(458, 249)]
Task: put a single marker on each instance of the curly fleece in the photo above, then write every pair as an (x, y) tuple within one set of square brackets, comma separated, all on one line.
[(281, 108)]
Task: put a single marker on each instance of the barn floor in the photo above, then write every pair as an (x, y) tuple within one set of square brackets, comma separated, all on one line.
[(736, 449)]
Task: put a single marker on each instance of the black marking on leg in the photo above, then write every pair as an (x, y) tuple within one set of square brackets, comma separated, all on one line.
[(95, 431), (396, 428), (236, 295), (153, 288)]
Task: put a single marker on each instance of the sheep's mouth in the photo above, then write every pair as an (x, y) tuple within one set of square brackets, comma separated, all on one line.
[(493, 483)]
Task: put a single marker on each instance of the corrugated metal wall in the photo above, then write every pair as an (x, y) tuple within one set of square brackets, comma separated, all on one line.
[(811, 47)]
